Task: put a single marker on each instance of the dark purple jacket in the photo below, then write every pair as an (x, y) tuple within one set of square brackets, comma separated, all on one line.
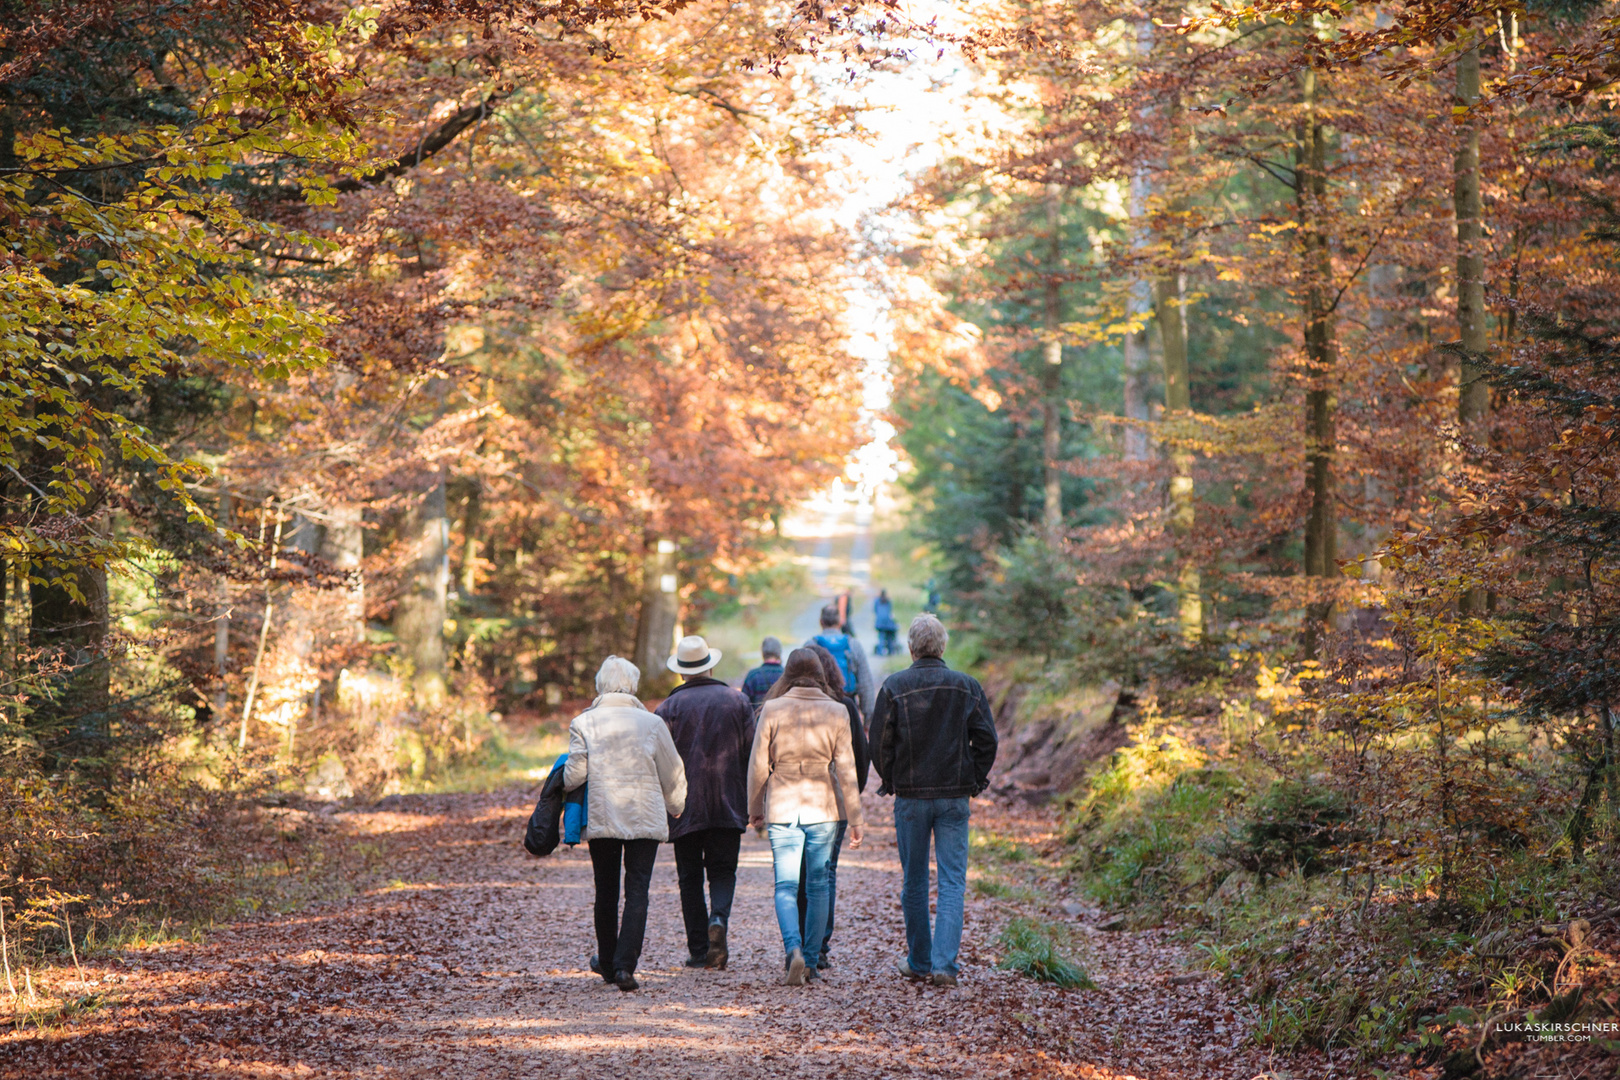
[(713, 729)]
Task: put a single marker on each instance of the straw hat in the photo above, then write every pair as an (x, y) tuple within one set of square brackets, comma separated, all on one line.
[(693, 656)]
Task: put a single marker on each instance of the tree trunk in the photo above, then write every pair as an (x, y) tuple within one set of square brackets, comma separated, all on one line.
[(343, 546), (73, 631), (420, 622), (1474, 396), (1473, 392), (1321, 351), (1171, 315), (222, 617), (1052, 372), (660, 612), (471, 518), (266, 620), (1139, 303)]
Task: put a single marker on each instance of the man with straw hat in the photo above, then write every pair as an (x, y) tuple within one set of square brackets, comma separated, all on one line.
[(713, 729)]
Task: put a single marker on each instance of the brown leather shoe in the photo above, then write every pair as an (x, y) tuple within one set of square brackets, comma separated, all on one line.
[(795, 969), (717, 945)]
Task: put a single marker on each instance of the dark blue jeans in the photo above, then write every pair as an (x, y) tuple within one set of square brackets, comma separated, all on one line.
[(945, 822), (809, 847), (832, 889)]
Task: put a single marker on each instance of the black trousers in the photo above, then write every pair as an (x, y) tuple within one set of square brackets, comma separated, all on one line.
[(712, 852), (618, 944)]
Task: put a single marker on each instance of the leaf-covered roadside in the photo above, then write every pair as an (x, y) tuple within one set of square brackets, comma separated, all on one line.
[(467, 959), (1340, 919)]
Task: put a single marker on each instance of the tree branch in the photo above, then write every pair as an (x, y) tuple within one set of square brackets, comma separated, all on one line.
[(430, 144), (1292, 180)]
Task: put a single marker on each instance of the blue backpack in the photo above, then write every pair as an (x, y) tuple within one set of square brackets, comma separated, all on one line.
[(839, 647)]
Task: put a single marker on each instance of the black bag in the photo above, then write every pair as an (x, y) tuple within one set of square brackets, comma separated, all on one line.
[(545, 824)]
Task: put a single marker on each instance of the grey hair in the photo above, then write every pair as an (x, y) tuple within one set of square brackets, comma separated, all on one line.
[(927, 636), (771, 646), (617, 676), (829, 615)]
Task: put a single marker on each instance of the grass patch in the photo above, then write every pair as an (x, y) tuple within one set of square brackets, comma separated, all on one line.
[(993, 848), (994, 888), (1036, 949), (504, 760)]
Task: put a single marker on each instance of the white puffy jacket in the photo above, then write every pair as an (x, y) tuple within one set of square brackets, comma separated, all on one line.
[(625, 753)]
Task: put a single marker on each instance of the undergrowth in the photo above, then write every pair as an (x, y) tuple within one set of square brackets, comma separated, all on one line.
[(1259, 858), (1037, 949)]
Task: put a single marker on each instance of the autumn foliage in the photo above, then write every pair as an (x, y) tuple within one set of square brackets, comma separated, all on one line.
[(356, 361), (1327, 298)]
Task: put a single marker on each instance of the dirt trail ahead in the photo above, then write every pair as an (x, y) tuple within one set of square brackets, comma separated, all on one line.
[(472, 964)]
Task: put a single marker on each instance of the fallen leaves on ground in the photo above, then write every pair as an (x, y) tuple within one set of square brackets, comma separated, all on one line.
[(471, 963)]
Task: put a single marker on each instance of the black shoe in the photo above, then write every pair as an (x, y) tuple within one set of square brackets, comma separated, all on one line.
[(718, 955), (697, 960), (824, 963), (812, 974), (795, 968), (596, 966), (626, 982)]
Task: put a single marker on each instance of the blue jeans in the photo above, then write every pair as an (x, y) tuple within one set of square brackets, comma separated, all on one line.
[(946, 821), (809, 846), (832, 890)]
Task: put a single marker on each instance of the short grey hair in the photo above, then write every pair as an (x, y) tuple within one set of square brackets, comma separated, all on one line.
[(927, 636), (771, 646), (829, 615), (617, 676)]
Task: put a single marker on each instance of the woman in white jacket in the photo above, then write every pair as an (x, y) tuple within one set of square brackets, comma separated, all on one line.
[(636, 778)]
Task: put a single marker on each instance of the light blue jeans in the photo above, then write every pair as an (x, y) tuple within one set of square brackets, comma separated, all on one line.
[(945, 821), (810, 847)]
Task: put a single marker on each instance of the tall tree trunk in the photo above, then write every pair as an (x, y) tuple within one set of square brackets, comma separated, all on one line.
[(1138, 363), (420, 623), (660, 613), (1171, 315), (1321, 351), (76, 722), (1139, 302), (1474, 396), (222, 617), (265, 621), (344, 546), (1473, 392), (1170, 312), (471, 518), (1052, 372)]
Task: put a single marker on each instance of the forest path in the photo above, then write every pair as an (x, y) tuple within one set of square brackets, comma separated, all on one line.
[(471, 964), (835, 566)]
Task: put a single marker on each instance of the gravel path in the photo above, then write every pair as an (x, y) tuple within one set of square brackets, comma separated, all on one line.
[(471, 963)]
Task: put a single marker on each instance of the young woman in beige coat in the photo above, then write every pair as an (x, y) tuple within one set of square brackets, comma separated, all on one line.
[(637, 783), (801, 782)]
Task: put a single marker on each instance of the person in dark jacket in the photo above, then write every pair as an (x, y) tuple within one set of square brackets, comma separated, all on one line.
[(713, 729), (935, 742), (863, 765), (758, 683), (883, 622)]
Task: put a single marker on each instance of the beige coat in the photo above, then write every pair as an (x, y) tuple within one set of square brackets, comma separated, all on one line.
[(637, 780), (803, 766)]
